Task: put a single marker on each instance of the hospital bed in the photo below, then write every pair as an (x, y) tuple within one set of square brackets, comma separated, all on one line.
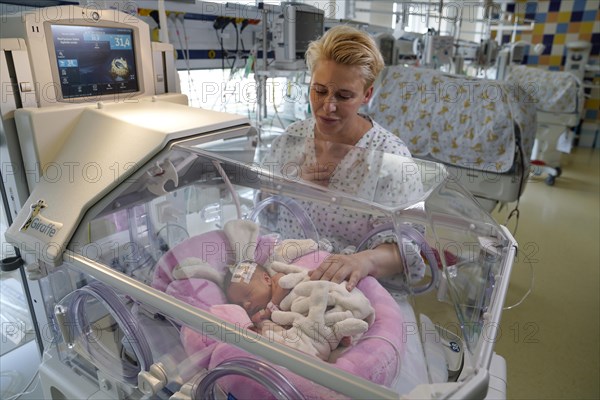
[(559, 101), (145, 187), (481, 130)]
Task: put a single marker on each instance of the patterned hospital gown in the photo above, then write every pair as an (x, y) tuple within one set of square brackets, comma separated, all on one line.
[(371, 170)]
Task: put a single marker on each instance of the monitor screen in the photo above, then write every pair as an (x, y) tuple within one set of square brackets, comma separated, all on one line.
[(386, 47), (94, 61), (309, 26)]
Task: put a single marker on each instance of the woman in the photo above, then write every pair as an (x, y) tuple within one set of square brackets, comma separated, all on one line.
[(344, 64)]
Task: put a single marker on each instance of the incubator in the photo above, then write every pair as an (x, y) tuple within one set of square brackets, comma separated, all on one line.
[(559, 102), (142, 205), (132, 271), (482, 130)]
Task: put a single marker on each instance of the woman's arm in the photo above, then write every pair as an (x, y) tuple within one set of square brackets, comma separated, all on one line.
[(384, 260)]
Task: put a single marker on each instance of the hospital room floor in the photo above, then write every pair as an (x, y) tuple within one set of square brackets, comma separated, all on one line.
[(551, 340)]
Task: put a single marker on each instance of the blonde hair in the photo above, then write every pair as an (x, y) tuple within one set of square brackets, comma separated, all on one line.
[(346, 45)]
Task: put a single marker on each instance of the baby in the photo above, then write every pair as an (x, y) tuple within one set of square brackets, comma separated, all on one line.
[(251, 287)]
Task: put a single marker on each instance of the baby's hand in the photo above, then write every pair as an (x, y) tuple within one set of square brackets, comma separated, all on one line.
[(260, 316)]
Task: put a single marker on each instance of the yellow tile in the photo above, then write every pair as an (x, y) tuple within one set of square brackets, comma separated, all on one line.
[(592, 104), (544, 60), (552, 17), (585, 36), (538, 29), (559, 39), (536, 38), (526, 36), (574, 27), (587, 27), (563, 16), (555, 60)]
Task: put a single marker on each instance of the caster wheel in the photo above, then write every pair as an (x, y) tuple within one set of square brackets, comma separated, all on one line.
[(550, 179), (558, 171)]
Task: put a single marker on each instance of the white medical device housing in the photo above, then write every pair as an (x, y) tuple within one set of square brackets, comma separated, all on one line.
[(295, 27), (578, 55), (84, 54), (65, 57)]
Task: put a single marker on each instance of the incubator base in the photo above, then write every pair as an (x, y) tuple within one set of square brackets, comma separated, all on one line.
[(497, 384), (546, 156), (59, 382)]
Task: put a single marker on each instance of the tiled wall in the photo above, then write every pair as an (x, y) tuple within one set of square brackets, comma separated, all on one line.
[(558, 22)]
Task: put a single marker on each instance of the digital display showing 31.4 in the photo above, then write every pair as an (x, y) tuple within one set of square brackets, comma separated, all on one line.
[(94, 61)]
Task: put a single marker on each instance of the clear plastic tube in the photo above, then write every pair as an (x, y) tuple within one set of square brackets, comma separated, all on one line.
[(414, 235), (275, 382), (88, 340), (234, 194), (310, 232)]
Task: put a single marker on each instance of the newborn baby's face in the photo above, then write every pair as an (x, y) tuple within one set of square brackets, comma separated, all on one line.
[(254, 296)]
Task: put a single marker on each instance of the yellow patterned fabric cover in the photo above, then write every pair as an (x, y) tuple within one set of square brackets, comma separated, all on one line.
[(455, 119), (553, 91)]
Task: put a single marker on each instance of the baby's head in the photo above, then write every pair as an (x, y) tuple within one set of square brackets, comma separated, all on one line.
[(249, 286)]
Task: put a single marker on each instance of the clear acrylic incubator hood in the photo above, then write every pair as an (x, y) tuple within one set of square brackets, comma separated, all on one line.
[(132, 260)]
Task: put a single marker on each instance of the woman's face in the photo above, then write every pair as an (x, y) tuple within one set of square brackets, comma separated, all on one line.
[(336, 93)]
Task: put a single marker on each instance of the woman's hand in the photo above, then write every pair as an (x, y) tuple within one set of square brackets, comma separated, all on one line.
[(339, 267), (328, 155), (317, 173), (384, 260)]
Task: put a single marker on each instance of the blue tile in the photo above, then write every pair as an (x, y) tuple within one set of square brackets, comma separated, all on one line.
[(579, 5), (576, 16), (533, 60), (554, 5), (562, 27), (510, 7), (531, 10), (531, 6), (591, 114), (547, 40), (589, 15), (541, 17), (554, 68)]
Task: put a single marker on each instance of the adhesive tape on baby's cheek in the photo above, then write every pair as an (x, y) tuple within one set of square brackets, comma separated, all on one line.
[(243, 271)]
